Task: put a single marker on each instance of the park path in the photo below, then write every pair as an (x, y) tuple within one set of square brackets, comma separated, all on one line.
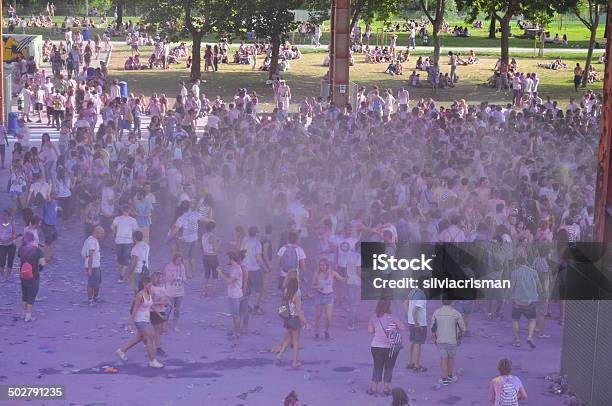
[(323, 47)]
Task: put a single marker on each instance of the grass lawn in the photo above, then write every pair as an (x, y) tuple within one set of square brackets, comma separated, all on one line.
[(305, 75), (576, 32)]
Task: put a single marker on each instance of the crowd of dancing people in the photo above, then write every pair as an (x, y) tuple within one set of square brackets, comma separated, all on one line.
[(285, 200)]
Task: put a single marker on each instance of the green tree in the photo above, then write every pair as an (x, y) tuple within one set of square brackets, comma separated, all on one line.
[(171, 19), (269, 18), (588, 12), (436, 17), (505, 10), (120, 4), (366, 10)]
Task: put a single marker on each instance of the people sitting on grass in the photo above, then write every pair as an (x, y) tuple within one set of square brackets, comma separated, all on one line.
[(477, 24), (266, 64), (283, 64), (180, 51), (461, 32), (395, 68), (423, 63), (403, 56), (554, 65), (547, 38), (446, 81), (295, 53), (241, 58), (326, 60), (458, 60), (131, 63), (513, 65), (472, 58), (415, 79), (593, 75)]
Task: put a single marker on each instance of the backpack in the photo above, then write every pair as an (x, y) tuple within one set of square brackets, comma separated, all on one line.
[(395, 338), (39, 200), (289, 259), (26, 271), (508, 395), (58, 104)]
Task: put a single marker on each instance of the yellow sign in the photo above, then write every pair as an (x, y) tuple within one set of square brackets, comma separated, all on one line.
[(15, 48)]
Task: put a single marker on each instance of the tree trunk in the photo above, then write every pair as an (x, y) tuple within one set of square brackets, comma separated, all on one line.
[(436, 41), (276, 40), (196, 71), (119, 21), (356, 12), (505, 38), (492, 26), (27, 7), (587, 63)]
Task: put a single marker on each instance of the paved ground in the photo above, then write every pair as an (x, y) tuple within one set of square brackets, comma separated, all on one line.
[(71, 344)]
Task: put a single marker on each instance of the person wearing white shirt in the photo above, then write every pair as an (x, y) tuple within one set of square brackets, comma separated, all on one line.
[(536, 82), (403, 97), (139, 259), (39, 102), (91, 254), (416, 312), (124, 227), (115, 90), (389, 103), (183, 90), (196, 89), (516, 89), (528, 85)]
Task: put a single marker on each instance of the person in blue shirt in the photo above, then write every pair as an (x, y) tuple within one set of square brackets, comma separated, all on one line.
[(49, 223), (378, 104)]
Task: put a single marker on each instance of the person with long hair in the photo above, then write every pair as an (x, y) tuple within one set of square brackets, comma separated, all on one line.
[(140, 317), (293, 300), (159, 316), (323, 282), (399, 397), (63, 186), (381, 324), (18, 185)]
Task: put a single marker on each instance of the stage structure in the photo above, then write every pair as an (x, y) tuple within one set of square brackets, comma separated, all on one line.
[(339, 51)]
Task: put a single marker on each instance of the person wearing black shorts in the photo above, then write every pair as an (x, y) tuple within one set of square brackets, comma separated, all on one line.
[(416, 312), (32, 257)]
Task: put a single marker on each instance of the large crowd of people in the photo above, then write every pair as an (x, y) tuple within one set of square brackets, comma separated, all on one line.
[(286, 199)]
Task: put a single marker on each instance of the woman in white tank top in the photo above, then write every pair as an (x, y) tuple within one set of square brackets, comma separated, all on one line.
[(140, 317), (323, 282)]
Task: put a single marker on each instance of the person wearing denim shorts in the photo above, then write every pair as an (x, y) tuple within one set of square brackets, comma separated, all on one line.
[(124, 226)]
